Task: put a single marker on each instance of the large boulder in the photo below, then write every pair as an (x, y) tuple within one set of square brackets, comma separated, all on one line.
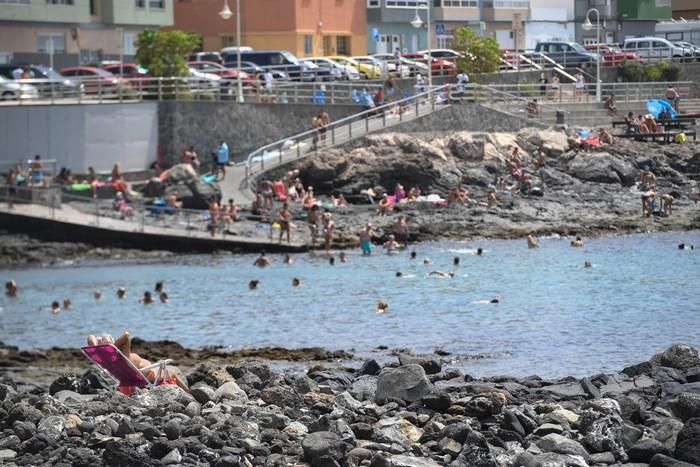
[(603, 167), (678, 356), (408, 383), (322, 447), (688, 441)]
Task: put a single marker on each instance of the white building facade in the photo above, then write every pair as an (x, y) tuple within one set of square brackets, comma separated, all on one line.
[(550, 20)]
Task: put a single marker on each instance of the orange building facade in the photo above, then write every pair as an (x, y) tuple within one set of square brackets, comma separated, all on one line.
[(304, 27)]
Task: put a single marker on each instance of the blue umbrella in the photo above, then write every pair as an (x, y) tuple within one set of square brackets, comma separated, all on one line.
[(656, 106)]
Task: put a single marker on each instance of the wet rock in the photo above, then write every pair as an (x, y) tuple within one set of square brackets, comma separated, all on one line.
[(230, 390), (548, 428), (173, 457), (369, 367), (7, 454), (645, 449), (432, 364), (304, 385), (485, 405), (678, 356), (527, 459), (564, 391), (688, 441), (408, 383), (686, 406), (661, 460), (172, 429)]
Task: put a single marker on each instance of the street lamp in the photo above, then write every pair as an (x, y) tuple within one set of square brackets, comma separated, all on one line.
[(587, 26), (226, 14), (416, 22)]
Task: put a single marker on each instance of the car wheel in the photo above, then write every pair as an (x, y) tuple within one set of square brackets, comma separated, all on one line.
[(8, 96)]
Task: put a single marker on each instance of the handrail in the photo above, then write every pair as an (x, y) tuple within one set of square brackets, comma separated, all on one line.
[(330, 129), (511, 96)]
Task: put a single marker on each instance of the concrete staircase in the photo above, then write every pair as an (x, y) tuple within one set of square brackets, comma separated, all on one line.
[(591, 114)]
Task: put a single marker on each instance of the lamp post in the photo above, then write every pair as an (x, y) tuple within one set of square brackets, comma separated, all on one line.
[(587, 26), (226, 14), (417, 23)]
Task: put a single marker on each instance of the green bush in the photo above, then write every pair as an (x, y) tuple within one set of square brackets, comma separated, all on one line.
[(671, 71), (630, 71), (633, 71), (652, 72)]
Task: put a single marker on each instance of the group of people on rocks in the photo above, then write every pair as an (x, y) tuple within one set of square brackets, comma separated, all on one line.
[(650, 195)]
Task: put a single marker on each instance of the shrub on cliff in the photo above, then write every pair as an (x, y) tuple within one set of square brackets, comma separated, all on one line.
[(481, 54)]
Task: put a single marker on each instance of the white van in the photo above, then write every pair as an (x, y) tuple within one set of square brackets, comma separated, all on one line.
[(652, 49)]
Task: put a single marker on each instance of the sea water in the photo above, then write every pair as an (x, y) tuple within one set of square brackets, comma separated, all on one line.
[(554, 317)]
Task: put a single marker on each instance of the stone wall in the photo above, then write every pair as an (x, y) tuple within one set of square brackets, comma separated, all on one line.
[(244, 128), (465, 117)]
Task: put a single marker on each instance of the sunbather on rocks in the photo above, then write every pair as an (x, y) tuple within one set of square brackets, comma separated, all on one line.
[(123, 343)]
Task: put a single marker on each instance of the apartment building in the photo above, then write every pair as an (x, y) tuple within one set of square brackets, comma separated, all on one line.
[(687, 9), (620, 19), (71, 32), (549, 20), (303, 27)]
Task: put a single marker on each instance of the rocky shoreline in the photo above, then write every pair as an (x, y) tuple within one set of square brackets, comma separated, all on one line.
[(411, 412)]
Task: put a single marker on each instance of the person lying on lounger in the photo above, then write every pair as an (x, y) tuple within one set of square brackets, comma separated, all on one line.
[(123, 343)]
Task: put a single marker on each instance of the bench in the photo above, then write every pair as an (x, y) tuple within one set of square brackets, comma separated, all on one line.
[(666, 136)]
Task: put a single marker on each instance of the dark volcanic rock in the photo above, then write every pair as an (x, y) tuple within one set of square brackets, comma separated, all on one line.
[(645, 449), (408, 383), (678, 356), (322, 447), (688, 441)]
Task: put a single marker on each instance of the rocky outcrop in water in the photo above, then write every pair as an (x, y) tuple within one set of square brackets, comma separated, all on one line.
[(245, 414)]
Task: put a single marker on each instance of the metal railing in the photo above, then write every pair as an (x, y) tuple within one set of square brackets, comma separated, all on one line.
[(185, 89), (341, 131), (56, 204)]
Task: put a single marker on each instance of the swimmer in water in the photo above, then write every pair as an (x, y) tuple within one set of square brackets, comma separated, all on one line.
[(252, 285), (577, 242), (587, 264), (331, 261), (55, 307), (11, 288), (413, 254), (455, 260), (288, 259), (382, 307), (67, 304), (479, 252), (532, 242), (399, 274), (159, 287), (262, 261), (121, 293), (147, 298), (296, 282), (391, 245), (97, 295), (683, 246), (343, 258), (495, 300), (441, 274), (163, 297), (426, 260)]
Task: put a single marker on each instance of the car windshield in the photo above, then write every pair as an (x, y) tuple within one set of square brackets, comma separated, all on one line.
[(577, 47), (291, 58), (49, 73)]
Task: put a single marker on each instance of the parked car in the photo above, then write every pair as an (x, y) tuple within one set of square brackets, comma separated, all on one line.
[(367, 71), (229, 54), (127, 70), (14, 90), (347, 72), (322, 73), (612, 55), (694, 49), (279, 60), (47, 81), (370, 62), (407, 67), (95, 80), (206, 57), (567, 54), (255, 70), (651, 49), (230, 75), (438, 66)]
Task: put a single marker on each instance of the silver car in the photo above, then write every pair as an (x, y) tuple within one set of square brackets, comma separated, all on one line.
[(12, 90)]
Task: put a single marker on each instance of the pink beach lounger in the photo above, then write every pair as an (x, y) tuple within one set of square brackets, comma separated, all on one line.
[(125, 374)]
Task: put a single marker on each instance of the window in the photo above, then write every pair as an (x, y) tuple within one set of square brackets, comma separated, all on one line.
[(405, 3), (140, 3), (16, 2), (160, 4), (459, 3), (46, 40), (674, 36), (308, 45), (372, 3), (128, 43), (342, 45), (93, 8), (59, 2), (511, 4)]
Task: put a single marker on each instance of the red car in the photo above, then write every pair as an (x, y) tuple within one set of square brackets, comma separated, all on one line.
[(439, 66), (95, 80), (225, 73), (127, 70), (612, 55)]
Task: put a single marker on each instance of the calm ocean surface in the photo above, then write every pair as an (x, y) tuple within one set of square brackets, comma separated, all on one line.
[(555, 317)]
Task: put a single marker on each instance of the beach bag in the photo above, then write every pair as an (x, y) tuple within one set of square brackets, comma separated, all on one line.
[(680, 138)]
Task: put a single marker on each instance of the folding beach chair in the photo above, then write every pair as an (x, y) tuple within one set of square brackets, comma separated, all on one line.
[(124, 373)]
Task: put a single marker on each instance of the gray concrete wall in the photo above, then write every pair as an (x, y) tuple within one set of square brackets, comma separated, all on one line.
[(79, 136), (243, 127), (465, 117)]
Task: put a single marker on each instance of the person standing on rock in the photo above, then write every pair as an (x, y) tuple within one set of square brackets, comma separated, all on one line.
[(328, 230), (285, 224), (222, 157)]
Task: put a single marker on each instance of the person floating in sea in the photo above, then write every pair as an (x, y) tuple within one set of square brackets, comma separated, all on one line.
[(382, 307), (399, 274), (147, 298), (11, 288), (532, 242), (587, 264), (67, 304), (343, 258), (414, 254), (578, 242), (426, 261), (288, 259), (121, 293), (391, 245), (97, 295), (123, 343), (252, 285), (55, 307), (449, 274), (160, 287), (296, 282), (163, 297), (683, 246), (331, 261), (262, 261), (479, 251), (455, 260), (495, 300)]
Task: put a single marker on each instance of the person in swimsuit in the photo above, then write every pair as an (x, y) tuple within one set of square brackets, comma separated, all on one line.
[(163, 296), (455, 260), (11, 288), (331, 260), (67, 304), (252, 285), (285, 224), (366, 235), (328, 230), (262, 261), (313, 220), (400, 230), (587, 264), (123, 343), (147, 299), (121, 293), (55, 307), (414, 254), (532, 242), (288, 259), (382, 307), (343, 258), (479, 251), (578, 242), (391, 245), (296, 282), (97, 295)]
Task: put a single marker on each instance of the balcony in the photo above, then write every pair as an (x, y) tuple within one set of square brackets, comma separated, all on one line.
[(503, 10), (456, 10)]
